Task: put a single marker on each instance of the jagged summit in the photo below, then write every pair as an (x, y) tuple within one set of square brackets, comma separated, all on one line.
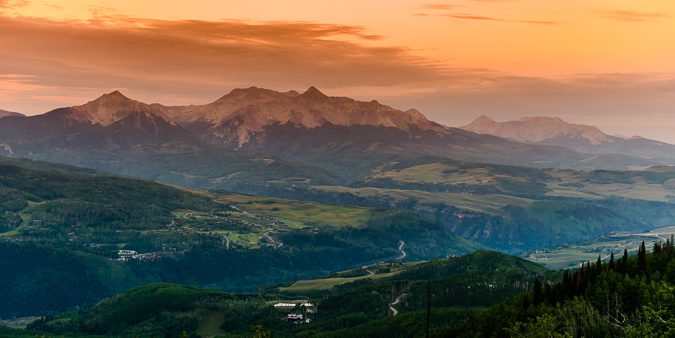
[(484, 118), (113, 95), (112, 107), (313, 92), (243, 112)]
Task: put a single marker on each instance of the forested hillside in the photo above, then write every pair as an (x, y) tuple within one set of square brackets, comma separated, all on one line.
[(70, 237), (360, 307), (626, 297)]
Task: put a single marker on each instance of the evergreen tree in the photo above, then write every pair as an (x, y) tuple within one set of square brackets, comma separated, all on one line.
[(611, 261), (538, 295), (598, 266), (642, 258)]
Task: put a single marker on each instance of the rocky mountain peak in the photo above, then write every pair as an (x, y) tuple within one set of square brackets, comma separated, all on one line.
[(313, 94), (243, 112), (537, 129), (415, 114), (112, 107)]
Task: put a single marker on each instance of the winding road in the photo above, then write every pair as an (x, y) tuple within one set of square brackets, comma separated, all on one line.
[(400, 248), (391, 307)]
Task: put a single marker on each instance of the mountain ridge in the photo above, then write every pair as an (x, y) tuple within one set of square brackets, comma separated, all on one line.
[(5, 113), (546, 130), (243, 112), (536, 129)]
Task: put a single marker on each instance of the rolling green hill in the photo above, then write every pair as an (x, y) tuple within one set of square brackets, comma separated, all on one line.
[(74, 236)]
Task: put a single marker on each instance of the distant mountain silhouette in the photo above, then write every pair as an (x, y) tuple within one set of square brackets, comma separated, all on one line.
[(4, 113), (583, 138)]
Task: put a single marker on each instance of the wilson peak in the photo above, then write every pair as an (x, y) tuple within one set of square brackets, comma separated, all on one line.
[(235, 117)]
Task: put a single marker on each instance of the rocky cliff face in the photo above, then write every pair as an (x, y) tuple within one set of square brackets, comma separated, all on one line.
[(114, 107), (242, 112)]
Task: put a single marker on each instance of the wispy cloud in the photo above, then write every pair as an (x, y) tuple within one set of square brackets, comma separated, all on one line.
[(200, 60), (13, 3), (45, 63), (630, 16), (440, 6), (488, 18)]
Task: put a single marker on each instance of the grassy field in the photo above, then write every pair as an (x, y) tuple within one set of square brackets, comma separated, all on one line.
[(564, 183), (298, 213), (209, 325), (490, 204), (327, 283), (439, 173), (572, 256), (263, 215)]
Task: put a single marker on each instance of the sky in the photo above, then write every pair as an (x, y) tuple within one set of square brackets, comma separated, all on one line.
[(608, 63)]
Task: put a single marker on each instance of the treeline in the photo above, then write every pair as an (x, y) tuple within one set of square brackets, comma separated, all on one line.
[(627, 297)]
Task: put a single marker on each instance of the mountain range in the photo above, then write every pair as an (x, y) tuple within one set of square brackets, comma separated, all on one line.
[(349, 138), (121, 135), (583, 138), (309, 137)]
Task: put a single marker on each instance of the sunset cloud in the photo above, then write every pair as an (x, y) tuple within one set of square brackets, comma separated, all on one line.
[(631, 16), (440, 6), (13, 4), (202, 59), (487, 18), (453, 75)]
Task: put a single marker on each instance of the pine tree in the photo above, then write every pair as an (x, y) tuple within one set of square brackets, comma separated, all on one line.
[(611, 261), (624, 262), (642, 258), (538, 295)]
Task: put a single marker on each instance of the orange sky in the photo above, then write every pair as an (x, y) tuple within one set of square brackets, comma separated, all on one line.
[(608, 63)]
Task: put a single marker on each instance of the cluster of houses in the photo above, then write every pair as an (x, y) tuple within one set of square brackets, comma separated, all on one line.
[(126, 255), (301, 311)]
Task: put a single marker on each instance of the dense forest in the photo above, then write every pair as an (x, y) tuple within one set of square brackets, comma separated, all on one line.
[(460, 287), (625, 297), (485, 294)]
